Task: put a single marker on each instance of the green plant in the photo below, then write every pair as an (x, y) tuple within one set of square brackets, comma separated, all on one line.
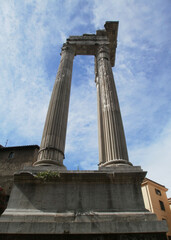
[(47, 176)]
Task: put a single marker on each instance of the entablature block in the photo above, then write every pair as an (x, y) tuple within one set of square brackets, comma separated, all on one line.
[(87, 44)]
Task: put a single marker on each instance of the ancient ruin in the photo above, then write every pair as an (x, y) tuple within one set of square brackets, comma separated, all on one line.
[(50, 202)]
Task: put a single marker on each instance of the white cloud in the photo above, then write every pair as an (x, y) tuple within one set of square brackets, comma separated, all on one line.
[(155, 157), (28, 30), (138, 20)]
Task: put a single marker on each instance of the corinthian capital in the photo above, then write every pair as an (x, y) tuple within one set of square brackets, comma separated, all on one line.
[(103, 52), (67, 48)]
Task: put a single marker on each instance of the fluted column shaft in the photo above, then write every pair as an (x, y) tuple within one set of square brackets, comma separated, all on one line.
[(53, 140), (112, 143)]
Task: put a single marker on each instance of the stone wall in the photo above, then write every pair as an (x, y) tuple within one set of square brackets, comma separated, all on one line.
[(13, 159)]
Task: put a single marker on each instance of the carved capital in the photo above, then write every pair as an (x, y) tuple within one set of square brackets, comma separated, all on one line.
[(103, 52), (67, 48), (102, 48)]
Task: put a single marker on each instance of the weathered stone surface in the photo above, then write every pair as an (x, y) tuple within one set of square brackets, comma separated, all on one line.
[(41, 226), (87, 44), (79, 192), (79, 202), (112, 143), (22, 156), (112, 32), (53, 140)]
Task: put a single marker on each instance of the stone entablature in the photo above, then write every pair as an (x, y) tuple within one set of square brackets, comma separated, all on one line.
[(87, 44)]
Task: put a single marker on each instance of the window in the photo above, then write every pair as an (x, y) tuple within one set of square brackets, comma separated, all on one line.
[(157, 192), (11, 155), (162, 205)]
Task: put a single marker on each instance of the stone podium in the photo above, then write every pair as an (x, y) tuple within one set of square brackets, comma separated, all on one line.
[(49, 202)]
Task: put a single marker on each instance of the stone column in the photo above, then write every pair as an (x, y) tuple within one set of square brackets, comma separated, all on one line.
[(53, 140), (112, 143), (99, 117)]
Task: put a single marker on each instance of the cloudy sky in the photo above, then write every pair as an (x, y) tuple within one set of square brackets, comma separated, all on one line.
[(32, 33)]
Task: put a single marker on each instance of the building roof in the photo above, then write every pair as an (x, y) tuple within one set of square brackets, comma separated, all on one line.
[(18, 147), (149, 180)]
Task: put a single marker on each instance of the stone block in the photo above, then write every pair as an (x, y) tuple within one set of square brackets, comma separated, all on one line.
[(97, 203)]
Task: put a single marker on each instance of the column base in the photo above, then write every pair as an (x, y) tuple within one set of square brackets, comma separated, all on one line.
[(115, 162), (49, 162)]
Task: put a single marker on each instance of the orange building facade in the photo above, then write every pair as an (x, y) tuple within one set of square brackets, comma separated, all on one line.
[(156, 201), (169, 200)]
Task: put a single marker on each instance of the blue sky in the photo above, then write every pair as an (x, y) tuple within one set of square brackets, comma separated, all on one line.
[(32, 33)]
